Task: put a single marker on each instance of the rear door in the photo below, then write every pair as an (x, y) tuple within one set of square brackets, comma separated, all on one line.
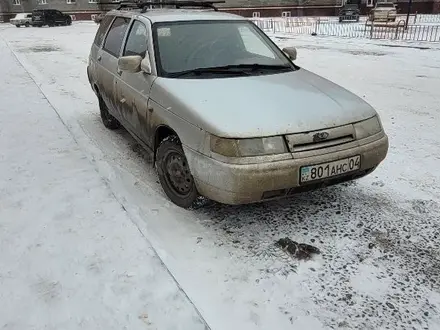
[(133, 89), (107, 59)]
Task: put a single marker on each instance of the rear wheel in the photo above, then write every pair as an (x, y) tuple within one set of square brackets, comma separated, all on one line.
[(174, 173), (107, 119), (18, 25)]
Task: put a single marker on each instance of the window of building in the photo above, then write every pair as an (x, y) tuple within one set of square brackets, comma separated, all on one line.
[(370, 3), (285, 14), (137, 40), (69, 2), (113, 41), (103, 27), (43, 2), (93, 1), (256, 14), (16, 2)]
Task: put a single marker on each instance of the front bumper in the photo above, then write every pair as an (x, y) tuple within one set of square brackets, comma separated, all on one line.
[(241, 184)]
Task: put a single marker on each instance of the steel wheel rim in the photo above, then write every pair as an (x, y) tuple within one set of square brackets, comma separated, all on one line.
[(177, 174)]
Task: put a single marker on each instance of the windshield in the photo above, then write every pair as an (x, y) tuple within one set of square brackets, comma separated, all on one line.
[(21, 15), (185, 46)]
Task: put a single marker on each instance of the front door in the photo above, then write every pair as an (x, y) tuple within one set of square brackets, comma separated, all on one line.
[(133, 89), (60, 18)]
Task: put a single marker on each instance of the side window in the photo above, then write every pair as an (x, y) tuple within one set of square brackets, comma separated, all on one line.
[(105, 23), (137, 40), (253, 43), (113, 41)]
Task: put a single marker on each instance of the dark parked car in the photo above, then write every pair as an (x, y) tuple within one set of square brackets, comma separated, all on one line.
[(349, 12), (50, 17)]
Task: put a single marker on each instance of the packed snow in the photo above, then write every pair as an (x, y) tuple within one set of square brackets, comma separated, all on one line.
[(88, 238)]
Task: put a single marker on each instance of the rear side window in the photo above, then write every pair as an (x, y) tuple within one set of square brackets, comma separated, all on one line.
[(105, 23), (137, 40), (113, 41)]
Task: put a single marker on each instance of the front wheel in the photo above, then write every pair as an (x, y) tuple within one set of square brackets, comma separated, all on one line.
[(174, 173), (18, 25), (27, 24)]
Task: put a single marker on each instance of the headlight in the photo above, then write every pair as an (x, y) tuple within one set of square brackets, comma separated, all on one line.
[(367, 128), (248, 147)]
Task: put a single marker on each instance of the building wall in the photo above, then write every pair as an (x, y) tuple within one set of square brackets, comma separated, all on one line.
[(80, 9), (277, 12), (418, 6), (83, 9)]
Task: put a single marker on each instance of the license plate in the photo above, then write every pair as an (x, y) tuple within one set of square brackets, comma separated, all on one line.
[(331, 169)]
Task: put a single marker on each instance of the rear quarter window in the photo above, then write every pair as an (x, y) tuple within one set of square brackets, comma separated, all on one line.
[(103, 27)]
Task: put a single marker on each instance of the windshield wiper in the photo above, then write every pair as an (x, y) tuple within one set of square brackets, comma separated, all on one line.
[(257, 66), (239, 69), (210, 70)]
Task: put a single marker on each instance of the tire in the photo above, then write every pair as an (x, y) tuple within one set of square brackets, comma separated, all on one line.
[(107, 119), (18, 25), (178, 186), (27, 24), (69, 21)]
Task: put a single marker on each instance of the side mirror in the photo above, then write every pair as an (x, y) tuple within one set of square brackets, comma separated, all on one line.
[(146, 64), (130, 63), (290, 52)]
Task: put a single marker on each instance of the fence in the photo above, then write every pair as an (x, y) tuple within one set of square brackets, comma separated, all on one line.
[(363, 29), (427, 18)]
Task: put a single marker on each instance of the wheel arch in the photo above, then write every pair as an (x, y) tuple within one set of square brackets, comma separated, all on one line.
[(161, 132)]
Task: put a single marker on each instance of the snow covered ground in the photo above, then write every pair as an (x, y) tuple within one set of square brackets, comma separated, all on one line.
[(379, 236)]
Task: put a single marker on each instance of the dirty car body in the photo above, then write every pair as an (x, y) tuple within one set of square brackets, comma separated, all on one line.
[(22, 19), (383, 12), (225, 113)]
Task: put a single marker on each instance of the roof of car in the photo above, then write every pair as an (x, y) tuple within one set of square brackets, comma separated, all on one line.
[(172, 15)]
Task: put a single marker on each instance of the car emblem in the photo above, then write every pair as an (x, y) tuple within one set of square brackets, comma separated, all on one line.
[(321, 136)]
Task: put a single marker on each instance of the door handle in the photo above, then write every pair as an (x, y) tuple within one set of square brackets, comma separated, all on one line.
[(122, 100), (99, 58)]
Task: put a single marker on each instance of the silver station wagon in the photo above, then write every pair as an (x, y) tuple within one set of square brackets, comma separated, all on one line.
[(226, 113)]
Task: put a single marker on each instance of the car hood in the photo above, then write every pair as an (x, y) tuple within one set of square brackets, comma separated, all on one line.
[(264, 105)]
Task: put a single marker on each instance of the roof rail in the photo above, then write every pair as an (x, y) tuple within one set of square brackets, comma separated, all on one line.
[(144, 5)]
